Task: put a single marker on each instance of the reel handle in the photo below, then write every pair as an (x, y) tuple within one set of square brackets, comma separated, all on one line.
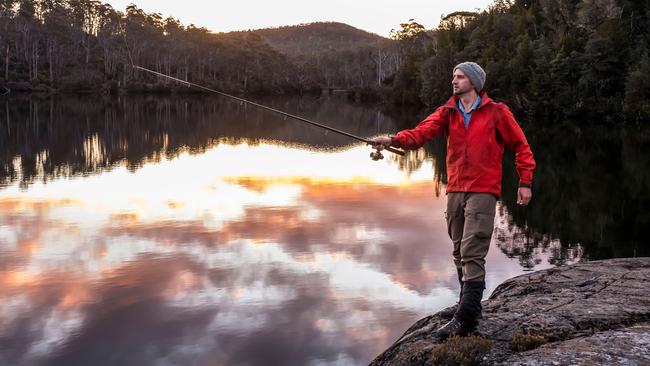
[(377, 154)]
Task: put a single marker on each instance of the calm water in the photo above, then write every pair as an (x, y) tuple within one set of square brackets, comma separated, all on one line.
[(198, 231)]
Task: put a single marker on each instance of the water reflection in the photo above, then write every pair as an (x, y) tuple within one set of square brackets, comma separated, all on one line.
[(591, 188), (66, 136), (191, 231), (203, 258)]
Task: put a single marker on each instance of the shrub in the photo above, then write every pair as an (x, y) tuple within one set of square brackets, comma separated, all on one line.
[(461, 351), (524, 342)]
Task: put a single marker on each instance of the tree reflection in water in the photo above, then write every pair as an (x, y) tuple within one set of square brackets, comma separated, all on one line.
[(590, 194), (591, 184), (239, 244)]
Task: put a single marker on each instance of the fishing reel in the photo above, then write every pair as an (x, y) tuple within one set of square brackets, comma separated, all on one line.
[(376, 155)]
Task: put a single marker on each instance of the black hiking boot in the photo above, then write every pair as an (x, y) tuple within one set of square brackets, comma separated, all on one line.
[(469, 310), (449, 312), (455, 327)]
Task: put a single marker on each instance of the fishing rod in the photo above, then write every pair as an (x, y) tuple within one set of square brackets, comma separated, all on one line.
[(375, 155)]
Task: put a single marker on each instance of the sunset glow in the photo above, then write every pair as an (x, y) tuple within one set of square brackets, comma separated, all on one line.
[(229, 231), (377, 16)]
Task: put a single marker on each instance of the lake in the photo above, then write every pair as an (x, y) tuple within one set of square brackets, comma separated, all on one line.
[(194, 230)]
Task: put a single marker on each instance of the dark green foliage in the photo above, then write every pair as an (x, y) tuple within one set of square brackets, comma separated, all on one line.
[(85, 45), (591, 188), (544, 57), (637, 87), (461, 351), (414, 44)]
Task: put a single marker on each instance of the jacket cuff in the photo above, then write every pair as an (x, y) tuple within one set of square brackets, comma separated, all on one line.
[(394, 142), (525, 175), (525, 184)]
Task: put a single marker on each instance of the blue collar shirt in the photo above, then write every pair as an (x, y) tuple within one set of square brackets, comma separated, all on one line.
[(467, 115)]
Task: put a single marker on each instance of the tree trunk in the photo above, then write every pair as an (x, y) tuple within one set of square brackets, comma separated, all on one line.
[(35, 58), (28, 60), (7, 112), (124, 71), (7, 63), (86, 44), (50, 61)]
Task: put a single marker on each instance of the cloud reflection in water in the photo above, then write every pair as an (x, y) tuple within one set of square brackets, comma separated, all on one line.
[(240, 255)]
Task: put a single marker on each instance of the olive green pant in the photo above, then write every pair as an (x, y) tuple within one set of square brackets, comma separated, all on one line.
[(470, 222)]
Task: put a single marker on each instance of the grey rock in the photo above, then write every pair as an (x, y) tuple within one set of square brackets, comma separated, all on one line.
[(628, 346), (590, 313)]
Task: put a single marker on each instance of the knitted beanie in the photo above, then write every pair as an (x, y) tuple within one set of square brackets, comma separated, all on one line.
[(474, 72)]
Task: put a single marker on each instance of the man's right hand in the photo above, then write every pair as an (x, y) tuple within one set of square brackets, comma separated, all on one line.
[(380, 142), (524, 195)]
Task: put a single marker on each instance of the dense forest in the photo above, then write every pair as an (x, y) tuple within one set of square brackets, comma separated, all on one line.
[(586, 58), (86, 45)]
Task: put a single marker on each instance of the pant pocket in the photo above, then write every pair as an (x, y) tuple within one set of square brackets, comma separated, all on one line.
[(484, 225)]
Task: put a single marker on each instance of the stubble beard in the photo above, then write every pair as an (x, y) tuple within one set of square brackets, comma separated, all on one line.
[(460, 92)]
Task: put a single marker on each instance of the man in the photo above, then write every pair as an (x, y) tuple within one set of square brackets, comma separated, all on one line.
[(477, 129)]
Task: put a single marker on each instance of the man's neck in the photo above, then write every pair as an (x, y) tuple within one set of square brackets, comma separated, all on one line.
[(468, 99)]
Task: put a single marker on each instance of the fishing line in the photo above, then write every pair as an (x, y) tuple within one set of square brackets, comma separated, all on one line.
[(375, 155)]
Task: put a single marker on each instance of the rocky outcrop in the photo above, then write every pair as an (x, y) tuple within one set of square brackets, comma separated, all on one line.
[(591, 313)]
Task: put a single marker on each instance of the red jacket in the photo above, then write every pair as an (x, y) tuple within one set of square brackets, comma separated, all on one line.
[(474, 153)]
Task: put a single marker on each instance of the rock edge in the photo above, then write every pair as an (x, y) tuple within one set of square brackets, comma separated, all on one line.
[(590, 313)]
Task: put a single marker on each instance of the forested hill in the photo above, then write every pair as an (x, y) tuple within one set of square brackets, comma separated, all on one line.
[(313, 38), (83, 45), (583, 58)]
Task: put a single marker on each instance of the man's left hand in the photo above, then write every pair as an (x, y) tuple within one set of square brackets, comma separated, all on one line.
[(380, 142), (524, 194)]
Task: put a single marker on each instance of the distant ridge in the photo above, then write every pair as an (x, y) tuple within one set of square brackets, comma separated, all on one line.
[(312, 38)]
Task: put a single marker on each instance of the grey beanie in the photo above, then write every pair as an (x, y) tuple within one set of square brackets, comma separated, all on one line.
[(474, 72)]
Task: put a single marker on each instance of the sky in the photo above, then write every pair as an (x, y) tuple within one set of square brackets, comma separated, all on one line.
[(375, 16)]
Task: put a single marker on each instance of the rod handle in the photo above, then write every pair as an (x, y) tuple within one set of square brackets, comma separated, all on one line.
[(395, 151)]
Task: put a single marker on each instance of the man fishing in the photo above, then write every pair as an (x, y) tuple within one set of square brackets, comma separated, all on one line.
[(477, 129)]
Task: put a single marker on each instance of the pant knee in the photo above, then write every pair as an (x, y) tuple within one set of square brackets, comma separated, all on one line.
[(474, 270)]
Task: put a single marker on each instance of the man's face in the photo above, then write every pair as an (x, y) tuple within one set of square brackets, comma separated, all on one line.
[(461, 83)]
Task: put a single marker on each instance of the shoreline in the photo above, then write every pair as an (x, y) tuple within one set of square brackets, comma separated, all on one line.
[(591, 313)]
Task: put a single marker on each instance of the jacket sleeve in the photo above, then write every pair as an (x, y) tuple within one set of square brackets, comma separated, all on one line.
[(514, 139), (427, 129)]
